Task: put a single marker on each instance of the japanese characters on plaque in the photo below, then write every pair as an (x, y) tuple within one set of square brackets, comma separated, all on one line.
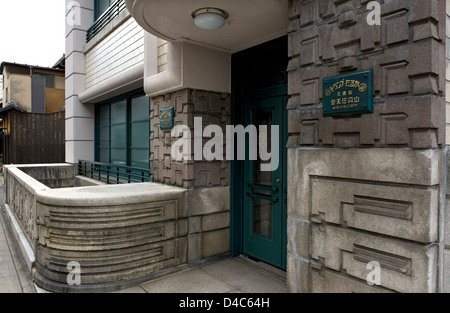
[(348, 94)]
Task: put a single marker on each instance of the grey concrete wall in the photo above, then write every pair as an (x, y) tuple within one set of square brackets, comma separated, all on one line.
[(214, 109), (445, 232), (20, 195), (352, 207), (209, 223), (119, 234), (51, 175), (367, 187), (23, 182)]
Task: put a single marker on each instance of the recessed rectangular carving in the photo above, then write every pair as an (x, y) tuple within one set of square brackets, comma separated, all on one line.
[(404, 266), (308, 13), (387, 260), (389, 208), (309, 52), (309, 92), (393, 129), (394, 78), (404, 212), (110, 217)]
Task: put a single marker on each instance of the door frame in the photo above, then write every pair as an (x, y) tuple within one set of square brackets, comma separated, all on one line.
[(237, 118)]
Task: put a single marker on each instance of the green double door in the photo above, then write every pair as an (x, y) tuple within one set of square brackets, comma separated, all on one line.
[(264, 180)]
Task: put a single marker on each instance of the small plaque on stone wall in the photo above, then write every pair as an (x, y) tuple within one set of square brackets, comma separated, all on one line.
[(166, 118), (349, 94)]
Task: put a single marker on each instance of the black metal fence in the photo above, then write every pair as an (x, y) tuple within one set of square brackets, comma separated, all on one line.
[(114, 10), (113, 174)]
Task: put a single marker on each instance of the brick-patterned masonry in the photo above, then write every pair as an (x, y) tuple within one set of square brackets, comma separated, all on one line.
[(381, 200), (328, 38), (214, 109)]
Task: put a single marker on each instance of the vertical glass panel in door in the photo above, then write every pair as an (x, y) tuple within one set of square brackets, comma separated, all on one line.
[(262, 217), (264, 141), (262, 208)]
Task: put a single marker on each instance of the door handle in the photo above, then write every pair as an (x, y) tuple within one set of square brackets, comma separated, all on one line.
[(260, 196), (262, 187)]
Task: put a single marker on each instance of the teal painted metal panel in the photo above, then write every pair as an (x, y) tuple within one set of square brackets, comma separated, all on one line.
[(349, 94)]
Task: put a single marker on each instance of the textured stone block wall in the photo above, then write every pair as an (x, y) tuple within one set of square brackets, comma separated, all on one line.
[(207, 181), (354, 206), (368, 187), (209, 223), (213, 108), (328, 38)]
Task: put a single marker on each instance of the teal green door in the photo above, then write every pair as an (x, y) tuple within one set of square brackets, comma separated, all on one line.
[(265, 213)]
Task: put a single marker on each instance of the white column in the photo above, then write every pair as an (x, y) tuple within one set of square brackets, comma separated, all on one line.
[(80, 131)]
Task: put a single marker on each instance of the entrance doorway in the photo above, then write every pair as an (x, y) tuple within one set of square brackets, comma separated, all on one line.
[(259, 197)]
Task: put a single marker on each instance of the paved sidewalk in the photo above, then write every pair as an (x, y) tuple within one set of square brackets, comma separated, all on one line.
[(227, 275)]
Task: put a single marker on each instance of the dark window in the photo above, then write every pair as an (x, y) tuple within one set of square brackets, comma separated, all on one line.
[(123, 131), (101, 6)]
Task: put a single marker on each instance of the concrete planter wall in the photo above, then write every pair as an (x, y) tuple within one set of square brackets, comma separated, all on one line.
[(118, 234)]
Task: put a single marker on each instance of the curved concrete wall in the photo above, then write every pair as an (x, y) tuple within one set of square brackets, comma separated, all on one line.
[(116, 233), (119, 235)]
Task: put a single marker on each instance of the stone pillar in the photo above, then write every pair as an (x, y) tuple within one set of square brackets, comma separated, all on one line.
[(79, 117), (214, 109), (366, 190), (207, 181)]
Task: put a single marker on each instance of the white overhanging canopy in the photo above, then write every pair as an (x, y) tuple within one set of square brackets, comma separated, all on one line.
[(249, 22)]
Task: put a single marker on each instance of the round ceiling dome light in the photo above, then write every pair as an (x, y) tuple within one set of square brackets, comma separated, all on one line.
[(210, 18)]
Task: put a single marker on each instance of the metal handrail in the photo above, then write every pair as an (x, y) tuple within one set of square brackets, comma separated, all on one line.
[(113, 173), (114, 10)]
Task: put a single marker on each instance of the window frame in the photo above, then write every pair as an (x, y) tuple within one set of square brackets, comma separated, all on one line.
[(128, 98)]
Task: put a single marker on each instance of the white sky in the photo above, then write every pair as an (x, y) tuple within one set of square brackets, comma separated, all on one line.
[(32, 31)]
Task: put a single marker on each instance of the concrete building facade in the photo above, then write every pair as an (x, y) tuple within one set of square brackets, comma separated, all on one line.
[(358, 202)]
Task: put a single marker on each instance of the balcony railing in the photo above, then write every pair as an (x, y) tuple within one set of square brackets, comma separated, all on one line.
[(114, 10), (112, 173)]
